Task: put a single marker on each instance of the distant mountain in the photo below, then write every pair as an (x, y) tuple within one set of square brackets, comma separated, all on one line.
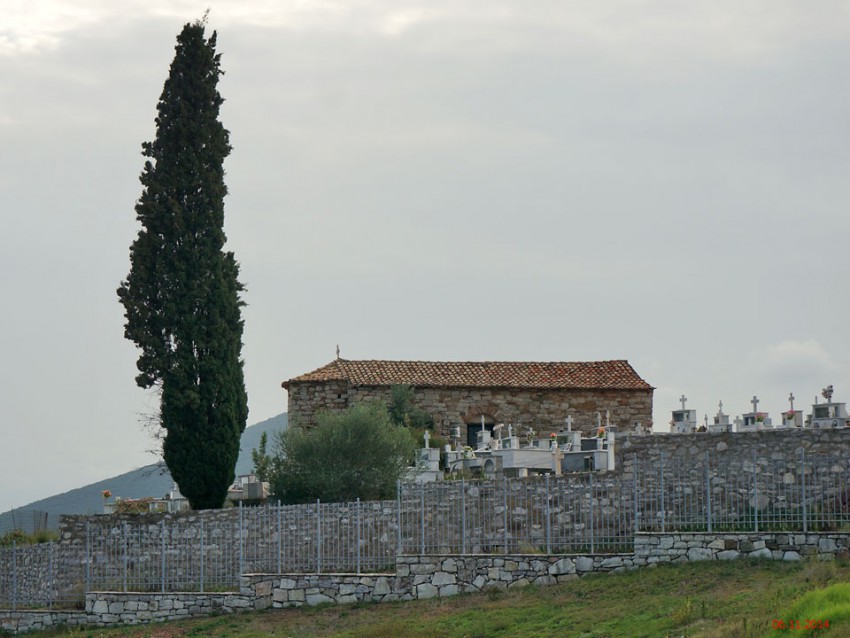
[(151, 480)]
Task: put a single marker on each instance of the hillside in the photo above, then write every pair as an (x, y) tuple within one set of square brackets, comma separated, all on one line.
[(150, 480), (711, 599)]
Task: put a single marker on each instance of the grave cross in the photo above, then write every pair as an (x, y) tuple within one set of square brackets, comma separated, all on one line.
[(791, 400), (569, 421), (720, 406), (755, 403), (427, 436), (683, 398)]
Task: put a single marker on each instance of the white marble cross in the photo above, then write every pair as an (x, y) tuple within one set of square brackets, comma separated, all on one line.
[(755, 403), (683, 399), (569, 421), (791, 400), (720, 406), (607, 418), (598, 420), (427, 436)]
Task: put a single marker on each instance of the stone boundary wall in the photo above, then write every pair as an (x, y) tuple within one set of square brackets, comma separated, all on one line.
[(791, 546), (423, 577), (18, 622), (736, 448), (132, 608), (118, 608)]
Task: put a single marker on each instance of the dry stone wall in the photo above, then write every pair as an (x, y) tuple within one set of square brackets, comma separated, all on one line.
[(421, 577), (677, 548), (735, 447)]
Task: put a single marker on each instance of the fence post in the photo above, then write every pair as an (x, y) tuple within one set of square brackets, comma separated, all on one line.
[(422, 519), (279, 537), (803, 474), (505, 506), (358, 534), (663, 509), (548, 519), (398, 548), (708, 493), (125, 557), (463, 516), (592, 532), (14, 575), (202, 555), (635, 481), (318, 536), (52, 578), (241, 543), (88, 558), (162, 551), (755, 495)]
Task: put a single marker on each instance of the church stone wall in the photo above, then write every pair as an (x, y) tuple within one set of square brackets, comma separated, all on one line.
[(544, 410), (307, 399)]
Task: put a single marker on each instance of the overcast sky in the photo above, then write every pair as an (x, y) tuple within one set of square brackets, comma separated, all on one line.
[(660, 181)]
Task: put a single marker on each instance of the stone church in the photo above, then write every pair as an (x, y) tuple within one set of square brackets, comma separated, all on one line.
[(525, 394)]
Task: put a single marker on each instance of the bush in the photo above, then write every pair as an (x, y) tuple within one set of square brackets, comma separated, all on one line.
[(354, 454), (402, 411), (20, 537)]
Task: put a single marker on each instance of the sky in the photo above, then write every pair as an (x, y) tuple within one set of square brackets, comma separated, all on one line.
[(651, 180)]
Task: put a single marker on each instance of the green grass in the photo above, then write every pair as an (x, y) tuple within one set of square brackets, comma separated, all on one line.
[(830, 604), (737, 599)]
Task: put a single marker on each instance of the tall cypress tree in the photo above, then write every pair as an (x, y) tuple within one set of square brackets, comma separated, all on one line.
[(182, 295)]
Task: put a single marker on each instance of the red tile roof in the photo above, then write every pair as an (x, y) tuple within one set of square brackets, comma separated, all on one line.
[(588, 375)]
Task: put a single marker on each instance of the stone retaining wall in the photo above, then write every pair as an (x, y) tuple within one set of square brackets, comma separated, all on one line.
[(18, 622), (118, 608), (792, 546), (422, 577)]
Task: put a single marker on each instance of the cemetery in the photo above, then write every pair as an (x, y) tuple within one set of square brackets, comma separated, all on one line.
[(779, 494), (828, 414), (496, 507)]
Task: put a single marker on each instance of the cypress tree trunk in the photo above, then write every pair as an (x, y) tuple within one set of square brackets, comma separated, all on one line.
[(181, 297)]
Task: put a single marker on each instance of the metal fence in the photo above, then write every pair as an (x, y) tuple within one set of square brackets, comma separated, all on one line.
[(211, 555), (43, 576), (787, 492), (575, 513)]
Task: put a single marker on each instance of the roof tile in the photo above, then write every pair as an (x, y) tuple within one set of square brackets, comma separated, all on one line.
[(590, 375)]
